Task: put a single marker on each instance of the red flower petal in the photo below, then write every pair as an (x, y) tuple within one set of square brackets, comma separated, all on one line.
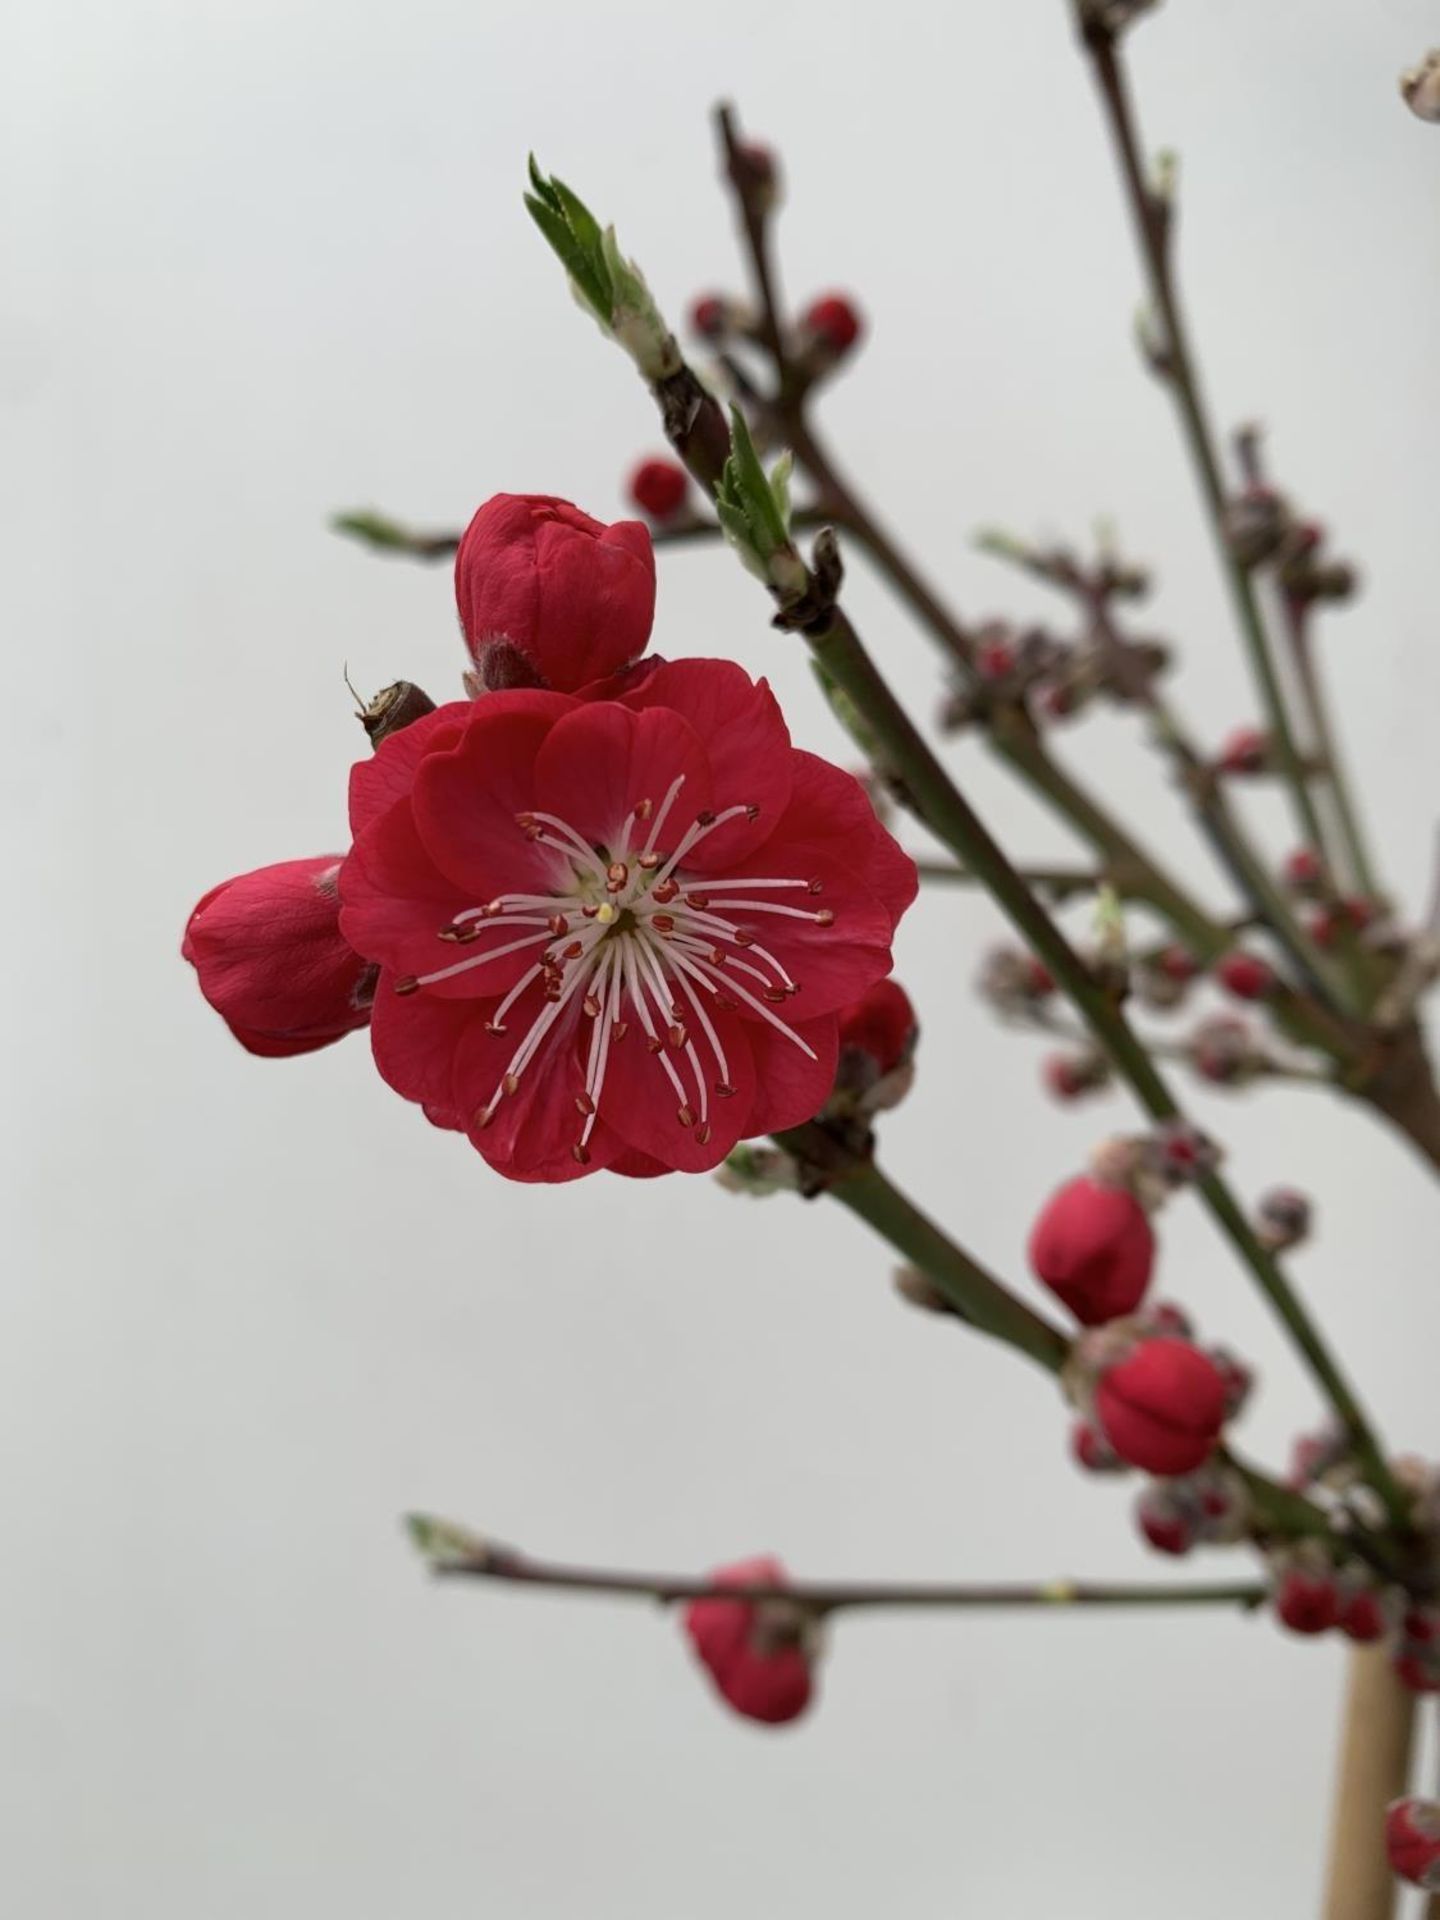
[(602, 761), (467, 797), (389, 773), (746, 739)]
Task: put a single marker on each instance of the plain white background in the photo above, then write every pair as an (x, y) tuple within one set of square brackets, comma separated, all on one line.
[(263, 262)]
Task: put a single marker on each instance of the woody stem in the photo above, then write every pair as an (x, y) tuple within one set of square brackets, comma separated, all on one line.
[(501, 1563)]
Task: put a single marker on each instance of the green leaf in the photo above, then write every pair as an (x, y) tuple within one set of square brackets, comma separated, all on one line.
[(575, 238)]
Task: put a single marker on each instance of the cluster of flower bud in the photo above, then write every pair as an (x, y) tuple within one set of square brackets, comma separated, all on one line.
[(1311, 1595)]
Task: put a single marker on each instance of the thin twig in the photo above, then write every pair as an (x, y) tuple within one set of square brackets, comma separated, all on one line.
[(1152, 219)]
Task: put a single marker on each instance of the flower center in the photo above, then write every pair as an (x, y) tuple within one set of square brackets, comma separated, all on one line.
[(626, 933)]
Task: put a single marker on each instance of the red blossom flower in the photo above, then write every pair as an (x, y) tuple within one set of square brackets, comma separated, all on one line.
[(1093, 1247), (549, 597), (658, 487), (616, 933), (1162, 1408), (271, 960), (756, 1651), (1412, 1841)]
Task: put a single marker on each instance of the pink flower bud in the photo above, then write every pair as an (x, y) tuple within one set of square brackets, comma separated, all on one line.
[(271, 960), (1093, 1247), (1245, 752), (549, 597), (1164, 1522), (1245, 975), (758, 1652), (658, 487), (1091, 1450), (1307, 1600), (995, 661), (1163, 1407), (833, 322), (1412, 1841)]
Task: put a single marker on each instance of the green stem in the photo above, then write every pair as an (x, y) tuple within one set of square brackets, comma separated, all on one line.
[(975, 1295), (951, 818)]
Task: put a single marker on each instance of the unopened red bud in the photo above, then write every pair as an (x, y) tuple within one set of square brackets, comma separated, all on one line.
[(875, 1065), (1223, 1051), (760, 165), (1246, 752), (712, 316), (1415, 1671), (1070, 1076), (1164, 1522), (1163, 1407), (1091, 1450), (1303, 870), (1177, 963), (1093, 1247), (1245, 975), (1364, 1615), (759, 1653), (1351, 915), (1412, 1832), (659, 487), (995, 660), (1283, 1218), (1168, 1318), (833, 322), (1238, 1378), (1255, 525), (1420, 86), (1307, 1600)]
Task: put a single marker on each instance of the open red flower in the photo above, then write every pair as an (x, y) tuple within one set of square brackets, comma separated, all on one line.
[(549, 597), (757, 1651), (616, 933), (271, 960)]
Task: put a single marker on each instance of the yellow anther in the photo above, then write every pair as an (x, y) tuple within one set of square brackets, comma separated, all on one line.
[(606, 914)]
